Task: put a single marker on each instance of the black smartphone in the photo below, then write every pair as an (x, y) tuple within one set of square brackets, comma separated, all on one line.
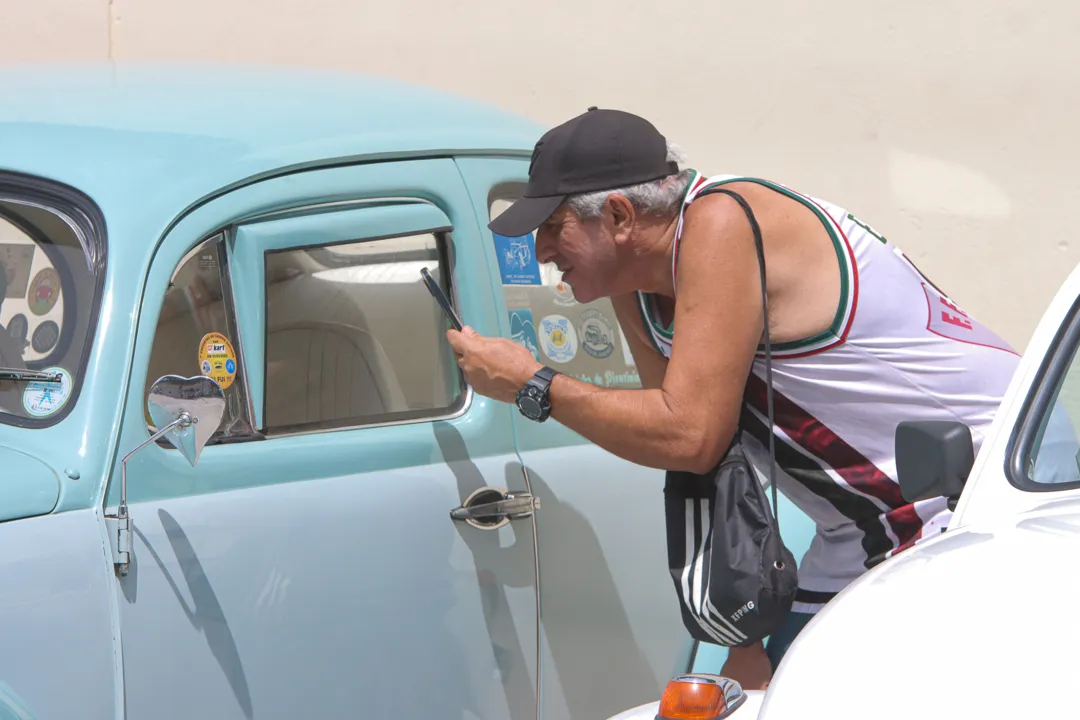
[(440, 297)]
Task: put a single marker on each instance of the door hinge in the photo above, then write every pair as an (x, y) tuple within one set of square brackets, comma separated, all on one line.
[(123, 543), (122, 550)]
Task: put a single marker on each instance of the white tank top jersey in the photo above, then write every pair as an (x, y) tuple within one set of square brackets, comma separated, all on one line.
[(898, 349)]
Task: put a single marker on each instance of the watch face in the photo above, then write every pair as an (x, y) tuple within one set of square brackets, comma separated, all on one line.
[(529, 406)]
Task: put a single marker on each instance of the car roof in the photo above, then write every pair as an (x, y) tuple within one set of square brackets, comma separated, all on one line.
[(163, 136)]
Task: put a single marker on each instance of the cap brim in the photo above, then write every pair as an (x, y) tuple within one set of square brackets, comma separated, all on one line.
[(525, 215)]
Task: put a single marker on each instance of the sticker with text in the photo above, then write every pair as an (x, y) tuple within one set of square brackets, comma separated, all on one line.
[(41, 399), (558, 338), (217, 360), (597, 334), (517, 260), (610, 378)]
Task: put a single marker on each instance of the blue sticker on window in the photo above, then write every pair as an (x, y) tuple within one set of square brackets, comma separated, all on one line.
[(517, 260), (523, 332)]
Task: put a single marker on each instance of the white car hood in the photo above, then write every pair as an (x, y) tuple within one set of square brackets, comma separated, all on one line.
[(981, 622)]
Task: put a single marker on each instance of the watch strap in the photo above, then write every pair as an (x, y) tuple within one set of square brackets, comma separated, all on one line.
[(546, 374)]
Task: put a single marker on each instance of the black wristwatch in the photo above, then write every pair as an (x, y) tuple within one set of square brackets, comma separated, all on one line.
[(532, 399)]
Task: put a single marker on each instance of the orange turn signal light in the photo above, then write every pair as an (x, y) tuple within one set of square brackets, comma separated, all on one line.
[(699, 696)]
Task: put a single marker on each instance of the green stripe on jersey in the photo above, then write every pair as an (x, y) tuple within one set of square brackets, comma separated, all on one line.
[(840, 318)]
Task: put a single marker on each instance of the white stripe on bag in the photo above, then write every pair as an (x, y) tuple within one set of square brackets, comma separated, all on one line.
[(692, 553), (701, 593), (724, 620), (708, 610)]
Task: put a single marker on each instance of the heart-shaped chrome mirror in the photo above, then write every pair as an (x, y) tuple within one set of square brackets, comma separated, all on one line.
[(200, 397)]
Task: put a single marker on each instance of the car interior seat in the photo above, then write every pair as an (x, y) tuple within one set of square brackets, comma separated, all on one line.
[(323, 362)]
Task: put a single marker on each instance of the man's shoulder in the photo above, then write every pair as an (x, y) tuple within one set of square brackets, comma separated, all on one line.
[(715, 207), (715, 203), (713, 195)]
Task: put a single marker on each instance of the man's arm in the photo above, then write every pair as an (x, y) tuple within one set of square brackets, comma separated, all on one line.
[(688, 422), (651, 365)]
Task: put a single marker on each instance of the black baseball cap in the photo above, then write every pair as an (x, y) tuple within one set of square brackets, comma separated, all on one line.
[(597, 150)]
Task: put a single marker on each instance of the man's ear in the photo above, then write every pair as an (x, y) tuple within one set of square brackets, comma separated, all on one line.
[(622, 217)]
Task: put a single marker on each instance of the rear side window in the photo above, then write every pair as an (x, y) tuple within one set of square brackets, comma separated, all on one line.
[(353, 337), (582, 340), (52, 267), (197, 335)]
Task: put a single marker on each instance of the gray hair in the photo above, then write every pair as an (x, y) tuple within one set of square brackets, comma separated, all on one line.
[(658, 198)]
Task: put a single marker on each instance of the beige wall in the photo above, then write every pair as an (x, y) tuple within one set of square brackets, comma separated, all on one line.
[(950, 126)]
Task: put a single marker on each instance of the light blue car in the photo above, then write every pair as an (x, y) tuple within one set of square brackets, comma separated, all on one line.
[(240, 473)]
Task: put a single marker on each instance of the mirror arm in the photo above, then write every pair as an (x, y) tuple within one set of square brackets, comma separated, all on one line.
[(207, 404), (185, 420), (123, 529)]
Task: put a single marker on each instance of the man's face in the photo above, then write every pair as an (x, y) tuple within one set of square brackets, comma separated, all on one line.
[(584, 251)]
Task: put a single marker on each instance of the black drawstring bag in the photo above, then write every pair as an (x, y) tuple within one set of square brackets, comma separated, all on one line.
[(734, 577)]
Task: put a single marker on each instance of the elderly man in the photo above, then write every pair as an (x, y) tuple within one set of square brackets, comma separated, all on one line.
[(861, 340)]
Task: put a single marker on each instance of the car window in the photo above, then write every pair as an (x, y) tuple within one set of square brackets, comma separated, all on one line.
[(196, 334), (49, 288), (1055, 457), (582, 340), (354, 338)]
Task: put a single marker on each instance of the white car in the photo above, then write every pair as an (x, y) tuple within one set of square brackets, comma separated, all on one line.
[(975, 623)]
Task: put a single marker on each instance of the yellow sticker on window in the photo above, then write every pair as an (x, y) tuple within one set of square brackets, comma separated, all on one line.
[(217, 360)]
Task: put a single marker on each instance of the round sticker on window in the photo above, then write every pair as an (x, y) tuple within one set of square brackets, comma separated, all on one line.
[(564, 295), (558, 338), (217, 360), (18, 327), (41, 399), (597, 335), (44, 291), (45, 337)]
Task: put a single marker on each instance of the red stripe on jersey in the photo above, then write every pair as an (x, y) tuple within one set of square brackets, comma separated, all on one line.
[(910, 543), (857, 471)]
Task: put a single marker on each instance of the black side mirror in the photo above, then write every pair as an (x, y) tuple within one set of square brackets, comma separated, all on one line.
[(933, 458)]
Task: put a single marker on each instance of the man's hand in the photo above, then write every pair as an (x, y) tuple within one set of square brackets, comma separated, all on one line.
[(748, 666), (495, 367)]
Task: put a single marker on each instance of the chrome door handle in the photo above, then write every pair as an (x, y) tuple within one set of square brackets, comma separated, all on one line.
[(514, 505), (489, 508)]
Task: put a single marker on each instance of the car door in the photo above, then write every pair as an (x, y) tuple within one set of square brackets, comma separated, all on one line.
[(612, 634), (308, 564)]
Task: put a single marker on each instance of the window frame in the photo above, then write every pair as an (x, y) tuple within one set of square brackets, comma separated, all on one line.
[(86, 220), (1035, 410), (444, 245)]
